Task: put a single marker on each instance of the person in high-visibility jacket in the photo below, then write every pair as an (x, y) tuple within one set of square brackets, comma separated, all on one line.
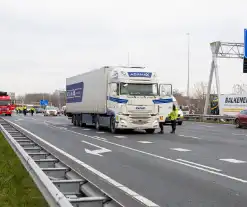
[(25, 110), (32, 110), (173, 116)]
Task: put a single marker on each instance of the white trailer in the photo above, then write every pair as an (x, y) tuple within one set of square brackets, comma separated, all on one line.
[(114, 97)]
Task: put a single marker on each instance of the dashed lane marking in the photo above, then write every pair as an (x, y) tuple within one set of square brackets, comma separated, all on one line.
[(239, 134), (145, 142), (100, 132), (150, 154), (180, 149), (85, 129), (121, 137), (197, 164), (205, 125), (181, 135), (233, 161)]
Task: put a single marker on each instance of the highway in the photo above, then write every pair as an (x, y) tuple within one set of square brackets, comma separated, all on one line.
[(202, 165)]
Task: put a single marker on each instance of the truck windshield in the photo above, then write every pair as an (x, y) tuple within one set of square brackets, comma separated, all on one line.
[(4, 102), (137, 89)]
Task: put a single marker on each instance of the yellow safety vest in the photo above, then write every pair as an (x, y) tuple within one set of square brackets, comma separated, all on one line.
[(174, 115)]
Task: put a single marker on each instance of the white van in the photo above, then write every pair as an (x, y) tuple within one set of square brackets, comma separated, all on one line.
[(166, 108)]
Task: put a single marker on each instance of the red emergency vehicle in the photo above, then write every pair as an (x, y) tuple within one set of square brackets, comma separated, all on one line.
[(6, 106)]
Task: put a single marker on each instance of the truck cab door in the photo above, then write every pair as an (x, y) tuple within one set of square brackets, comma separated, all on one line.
[(165, 101)]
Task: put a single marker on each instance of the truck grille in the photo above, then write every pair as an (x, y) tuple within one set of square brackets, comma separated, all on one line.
[(140, 122), (140, 116), (140, 112)]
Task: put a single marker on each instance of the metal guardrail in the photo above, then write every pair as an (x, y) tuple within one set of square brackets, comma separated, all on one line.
[(216, 118), (60, 185), (64, 180), (17, 141)]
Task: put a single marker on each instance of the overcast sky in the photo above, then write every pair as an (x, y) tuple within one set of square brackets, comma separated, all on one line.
[(43, 42)]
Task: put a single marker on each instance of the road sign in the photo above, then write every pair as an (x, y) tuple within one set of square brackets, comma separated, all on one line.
[(43, 102), (245, 43)]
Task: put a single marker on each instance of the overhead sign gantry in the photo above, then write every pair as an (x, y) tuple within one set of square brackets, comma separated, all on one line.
[(224, 50)]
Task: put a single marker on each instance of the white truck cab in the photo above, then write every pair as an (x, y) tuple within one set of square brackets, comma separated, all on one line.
[(132, 95)]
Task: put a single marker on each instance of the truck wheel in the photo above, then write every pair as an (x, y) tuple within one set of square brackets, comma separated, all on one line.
[(150, 131), (74, 120), (80, 123), (112, 126), (97, 124), (77, 122)]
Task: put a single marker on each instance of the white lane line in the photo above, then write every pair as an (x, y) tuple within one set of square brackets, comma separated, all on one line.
[(98, 137), (74, 127), (145, 142), (233, 161), (144, 200), (100, 132), (125, 189), (205, 125), (205, 166), (152, 155), (239, 134), (121, 137), (86, 129), (18, 120), (181, 135), (180, 149)]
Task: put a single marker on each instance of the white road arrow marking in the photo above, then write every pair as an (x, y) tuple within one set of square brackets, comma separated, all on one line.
[(96, 152)]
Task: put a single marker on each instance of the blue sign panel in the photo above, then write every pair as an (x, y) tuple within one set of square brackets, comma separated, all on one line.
[(74, 92), (43, 102), (245, 43), (140, 74)]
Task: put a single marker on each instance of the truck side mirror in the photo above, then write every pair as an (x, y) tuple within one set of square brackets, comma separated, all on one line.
[(165, 89)]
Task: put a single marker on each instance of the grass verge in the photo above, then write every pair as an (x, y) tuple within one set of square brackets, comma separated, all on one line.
[(17, 188)]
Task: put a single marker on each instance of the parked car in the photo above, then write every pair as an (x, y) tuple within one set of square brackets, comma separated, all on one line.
[(51, 111), (241, 119), (39, 110)]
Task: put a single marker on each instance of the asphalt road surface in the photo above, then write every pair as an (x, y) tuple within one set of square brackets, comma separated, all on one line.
[(202, 165)]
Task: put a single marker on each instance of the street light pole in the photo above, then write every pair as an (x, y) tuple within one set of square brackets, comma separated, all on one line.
[(128, 59), (188, 83)]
